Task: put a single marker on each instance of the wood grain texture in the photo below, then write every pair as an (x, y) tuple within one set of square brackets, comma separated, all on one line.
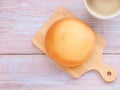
[(95, 62), (21, 65), (38, 72), (20, 20)]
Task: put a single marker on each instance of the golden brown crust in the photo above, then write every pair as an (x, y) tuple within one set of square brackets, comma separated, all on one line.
[(69, 42)]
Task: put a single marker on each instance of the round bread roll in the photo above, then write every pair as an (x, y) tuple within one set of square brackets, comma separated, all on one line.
[(69, 42)]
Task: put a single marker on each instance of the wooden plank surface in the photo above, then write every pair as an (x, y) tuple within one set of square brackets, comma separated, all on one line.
[(20, 20), (24, 67), (38, 72)]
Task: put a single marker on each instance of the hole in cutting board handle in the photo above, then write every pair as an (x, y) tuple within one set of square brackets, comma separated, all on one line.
[(107, 72)]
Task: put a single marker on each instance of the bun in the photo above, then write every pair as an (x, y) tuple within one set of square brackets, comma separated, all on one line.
[(69, 42)]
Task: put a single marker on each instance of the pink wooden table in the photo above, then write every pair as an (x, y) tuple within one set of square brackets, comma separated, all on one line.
[(24, 67)]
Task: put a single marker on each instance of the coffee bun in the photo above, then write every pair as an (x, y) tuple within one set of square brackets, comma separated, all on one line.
[(69, 42)]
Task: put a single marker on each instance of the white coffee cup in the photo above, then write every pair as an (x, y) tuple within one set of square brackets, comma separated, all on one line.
[(101, 8)]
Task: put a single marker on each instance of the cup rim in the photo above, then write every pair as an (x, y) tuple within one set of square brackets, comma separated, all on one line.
[(100, 16)]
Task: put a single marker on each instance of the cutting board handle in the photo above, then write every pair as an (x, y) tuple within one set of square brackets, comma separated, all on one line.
[(107, 72)]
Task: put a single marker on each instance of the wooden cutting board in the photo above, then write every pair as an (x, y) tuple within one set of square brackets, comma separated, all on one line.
[(95, 62)]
